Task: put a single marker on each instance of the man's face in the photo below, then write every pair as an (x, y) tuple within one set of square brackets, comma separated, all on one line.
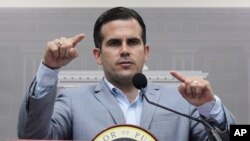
[(123, 53)]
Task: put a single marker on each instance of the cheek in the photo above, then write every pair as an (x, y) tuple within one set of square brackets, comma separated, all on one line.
[(107, 59), (142, 57), (109, 55)]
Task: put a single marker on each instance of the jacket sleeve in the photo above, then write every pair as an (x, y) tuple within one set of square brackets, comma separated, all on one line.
[(38, 119), (222, 129)]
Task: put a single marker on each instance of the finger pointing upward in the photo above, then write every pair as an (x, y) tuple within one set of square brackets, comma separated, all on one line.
[(76, 39), (178, 76)]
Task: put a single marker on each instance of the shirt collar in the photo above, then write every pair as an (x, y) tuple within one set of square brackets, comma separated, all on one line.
[(111, 87), (116, 91)]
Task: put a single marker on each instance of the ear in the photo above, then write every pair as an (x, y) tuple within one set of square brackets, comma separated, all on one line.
[(97, 54), (146, 52)]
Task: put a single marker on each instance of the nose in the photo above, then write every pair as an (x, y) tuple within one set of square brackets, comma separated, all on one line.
[(124, 50)]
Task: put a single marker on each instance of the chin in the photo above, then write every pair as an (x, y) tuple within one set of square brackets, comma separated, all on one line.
[(127, 73)]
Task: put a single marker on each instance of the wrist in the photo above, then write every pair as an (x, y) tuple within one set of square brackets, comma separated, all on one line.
[(48, 66)]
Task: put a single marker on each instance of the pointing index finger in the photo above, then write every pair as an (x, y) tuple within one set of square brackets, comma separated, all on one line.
[(178, 75), (76, 39)]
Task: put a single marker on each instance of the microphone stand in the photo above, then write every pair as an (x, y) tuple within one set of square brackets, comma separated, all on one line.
[(210, 128)]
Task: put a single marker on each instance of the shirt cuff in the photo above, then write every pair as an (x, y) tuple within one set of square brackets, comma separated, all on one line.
[(45, 76), (212, 110)]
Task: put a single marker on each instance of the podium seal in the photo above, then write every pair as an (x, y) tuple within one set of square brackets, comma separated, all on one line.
[(124, 132)]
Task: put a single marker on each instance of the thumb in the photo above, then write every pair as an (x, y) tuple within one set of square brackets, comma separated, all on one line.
[(73, 53)]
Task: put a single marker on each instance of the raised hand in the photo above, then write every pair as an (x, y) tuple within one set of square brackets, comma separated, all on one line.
[(196, 90), (61, 51)]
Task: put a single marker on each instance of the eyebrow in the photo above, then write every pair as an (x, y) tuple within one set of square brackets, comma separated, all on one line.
[(134, 38), (119, 40)]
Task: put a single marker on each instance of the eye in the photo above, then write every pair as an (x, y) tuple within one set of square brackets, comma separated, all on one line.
[(114, 43), (134, 42)]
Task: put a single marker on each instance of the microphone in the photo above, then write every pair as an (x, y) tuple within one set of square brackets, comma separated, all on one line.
[(139, 80)]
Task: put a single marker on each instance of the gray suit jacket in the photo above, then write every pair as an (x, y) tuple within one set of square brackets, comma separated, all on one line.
[(81, 113)]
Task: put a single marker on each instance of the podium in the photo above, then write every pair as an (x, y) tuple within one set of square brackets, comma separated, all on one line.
[(125, 132)]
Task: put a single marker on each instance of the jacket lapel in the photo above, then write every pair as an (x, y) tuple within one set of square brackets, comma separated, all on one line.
[(104, 95), (148, 109)]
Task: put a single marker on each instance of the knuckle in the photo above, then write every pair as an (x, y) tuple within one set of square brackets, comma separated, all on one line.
[(50, 43)]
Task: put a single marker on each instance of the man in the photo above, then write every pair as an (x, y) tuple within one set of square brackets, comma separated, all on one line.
[(83, 112)]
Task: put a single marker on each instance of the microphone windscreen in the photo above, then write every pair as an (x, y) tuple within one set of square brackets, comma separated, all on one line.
[(140, 81)]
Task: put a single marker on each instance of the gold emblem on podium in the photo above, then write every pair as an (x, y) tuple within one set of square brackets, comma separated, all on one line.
[(125, 133)]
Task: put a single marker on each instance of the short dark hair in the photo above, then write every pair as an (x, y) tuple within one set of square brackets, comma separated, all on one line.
[(116, 14)]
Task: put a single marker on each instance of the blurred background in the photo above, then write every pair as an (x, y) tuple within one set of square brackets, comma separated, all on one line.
[(205, 36)]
